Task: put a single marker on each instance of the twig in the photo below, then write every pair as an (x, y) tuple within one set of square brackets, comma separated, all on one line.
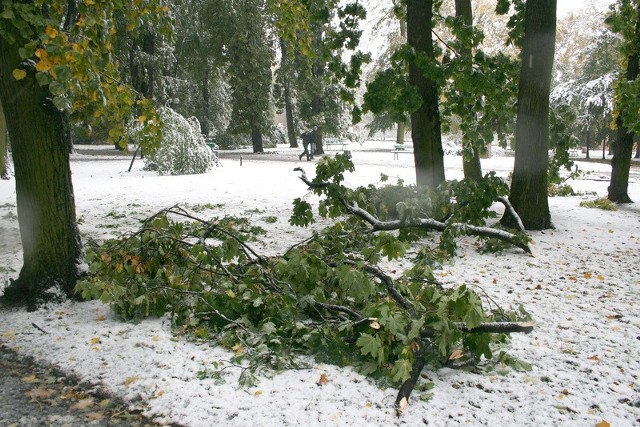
[(39, 328)]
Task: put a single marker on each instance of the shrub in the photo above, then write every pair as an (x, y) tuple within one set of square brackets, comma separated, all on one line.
[(602, 203), (182, 149)]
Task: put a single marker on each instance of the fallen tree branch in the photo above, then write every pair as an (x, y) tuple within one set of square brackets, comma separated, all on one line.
[(429, 223), (498, 327)]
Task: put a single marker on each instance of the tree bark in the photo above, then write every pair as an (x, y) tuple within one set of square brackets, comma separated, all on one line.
[(588, 143), (4, 146), (425, 122), (44, 191), (288, 102), (401, 125), (206, 102), (529, 186), (623, 146), (256, 140), (471, 166)]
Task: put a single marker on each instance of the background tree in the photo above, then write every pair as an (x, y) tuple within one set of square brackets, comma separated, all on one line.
[(249, 55), (480, 90), (625, 20), (57, 58), (284, 91), (4, 146), (529, 184), (425, 121), (586, 66)]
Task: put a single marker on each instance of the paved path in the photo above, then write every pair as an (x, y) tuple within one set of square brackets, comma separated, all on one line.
[(32, 395)]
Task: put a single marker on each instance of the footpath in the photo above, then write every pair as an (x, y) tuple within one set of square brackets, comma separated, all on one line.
[(34, 395)]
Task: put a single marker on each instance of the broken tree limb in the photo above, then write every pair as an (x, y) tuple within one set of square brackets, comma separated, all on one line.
[(498, 327), (402, 399), (429, 223), (509, 207)]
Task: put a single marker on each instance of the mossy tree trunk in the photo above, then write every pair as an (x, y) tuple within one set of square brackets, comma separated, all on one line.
[(44, 192), (425, 121), (529, 185)]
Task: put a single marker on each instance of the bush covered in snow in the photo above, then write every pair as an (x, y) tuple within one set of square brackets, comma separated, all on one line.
[(183, 149)]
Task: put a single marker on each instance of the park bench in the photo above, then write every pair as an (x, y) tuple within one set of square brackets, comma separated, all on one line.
[(401, 148), (329, 143)]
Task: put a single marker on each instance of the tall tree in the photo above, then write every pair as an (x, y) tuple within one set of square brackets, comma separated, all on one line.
[(47, 69), (471, 156), (44, 192), (425, 121), (285, 91), (4, 146), (627, 98), (250, 56), (529, 184)]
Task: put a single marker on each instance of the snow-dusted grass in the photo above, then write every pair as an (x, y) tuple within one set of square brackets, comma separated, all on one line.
[(582, 289)]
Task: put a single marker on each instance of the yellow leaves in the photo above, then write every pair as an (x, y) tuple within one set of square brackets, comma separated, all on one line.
[(603, 423), (142, 119), (51, 32), (588, 275), (31, 379), (238, 348), (458, 354), (89, 2), (83, 404), (130, 380), (323, 380), (9, 335), (19, 74), (257, 393), (39, 394), (101, 318), (95, 340)]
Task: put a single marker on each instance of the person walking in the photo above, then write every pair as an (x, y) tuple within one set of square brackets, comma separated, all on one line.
[(306, 140)]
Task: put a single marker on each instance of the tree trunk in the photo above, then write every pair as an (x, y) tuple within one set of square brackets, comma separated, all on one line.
[(470, 165), (401, 127), (44, 191), (588, 143), (256, 140), (4, 146), (400, 133), (288, 102), (425, 122), (529, 193), (206, 103), (623, 146)]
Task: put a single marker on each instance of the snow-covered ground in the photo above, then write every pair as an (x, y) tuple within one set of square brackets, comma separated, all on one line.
[(582, 289)]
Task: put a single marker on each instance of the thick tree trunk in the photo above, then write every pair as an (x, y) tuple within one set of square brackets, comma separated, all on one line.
[(425, 122), (256, 140), (529, 186), (4, 146), (44, 192), (470, 164), (623, 146)]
